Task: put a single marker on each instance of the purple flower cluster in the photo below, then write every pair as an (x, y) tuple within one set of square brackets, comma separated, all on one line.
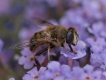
[(80, 50), (63, 72), (89, 19), (28, 60)]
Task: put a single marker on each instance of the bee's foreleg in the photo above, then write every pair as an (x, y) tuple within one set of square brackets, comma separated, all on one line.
[(72, 49)]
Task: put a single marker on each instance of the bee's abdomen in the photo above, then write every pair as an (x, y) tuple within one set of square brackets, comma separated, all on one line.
[(34, 41), (32, 47)]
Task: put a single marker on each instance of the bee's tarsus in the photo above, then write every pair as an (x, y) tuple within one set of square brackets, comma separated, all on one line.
[(38, 65), (74, 52), (70, 48)]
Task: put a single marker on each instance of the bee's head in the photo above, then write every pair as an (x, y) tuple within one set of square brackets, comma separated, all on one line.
[(72, 36)]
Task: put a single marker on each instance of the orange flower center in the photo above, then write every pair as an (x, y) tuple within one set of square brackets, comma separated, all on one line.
[(57, 74), (36, 76), (87, 77), (32, 58)]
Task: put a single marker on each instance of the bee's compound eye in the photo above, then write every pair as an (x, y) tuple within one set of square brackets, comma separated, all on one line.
[(72, 37), (69, 37)]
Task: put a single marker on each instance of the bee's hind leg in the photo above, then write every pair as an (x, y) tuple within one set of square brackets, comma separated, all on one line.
[(44, 50), (48, 52), (37, 64), (41, 52)]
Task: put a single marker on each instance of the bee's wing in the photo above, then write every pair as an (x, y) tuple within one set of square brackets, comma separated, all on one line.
[(40, 23), (22, 44), (27, 43)]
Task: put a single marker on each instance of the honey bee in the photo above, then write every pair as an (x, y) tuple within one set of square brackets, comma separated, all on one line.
[(53, 36)]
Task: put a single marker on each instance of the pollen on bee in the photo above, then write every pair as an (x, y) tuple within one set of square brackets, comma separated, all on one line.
[(32, 58), (36, 76)]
